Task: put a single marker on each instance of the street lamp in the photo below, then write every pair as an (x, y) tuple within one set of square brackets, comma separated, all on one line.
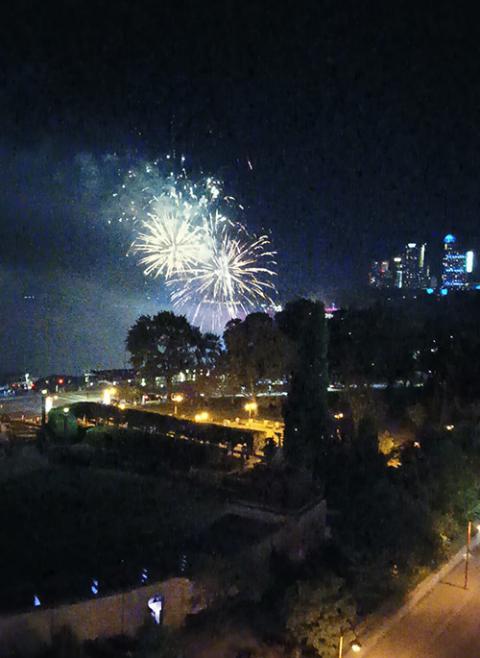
[(355, 645), (251, 407), (107, 395), (44, 406), (65, 416), (177, 398), (48, 404)]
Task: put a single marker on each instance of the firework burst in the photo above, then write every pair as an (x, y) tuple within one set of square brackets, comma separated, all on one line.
[(169, 240), (234, 277), (215, 270)]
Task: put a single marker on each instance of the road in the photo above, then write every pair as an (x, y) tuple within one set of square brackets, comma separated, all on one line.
[(445, 624), (30, 404), (269, 428)]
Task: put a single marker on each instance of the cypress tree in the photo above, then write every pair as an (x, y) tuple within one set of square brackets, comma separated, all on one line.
[(305, 411)]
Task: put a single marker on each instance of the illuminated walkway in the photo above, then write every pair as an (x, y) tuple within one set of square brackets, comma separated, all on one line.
[(445, 624)]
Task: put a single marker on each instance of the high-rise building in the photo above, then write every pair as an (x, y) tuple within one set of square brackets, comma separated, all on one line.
[(455, 264), (398, 268), (380, 275), (415, 272), (408, 270)]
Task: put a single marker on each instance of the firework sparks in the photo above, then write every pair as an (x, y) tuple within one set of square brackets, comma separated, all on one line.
[(214, 269), (170, 242), (234, 278)]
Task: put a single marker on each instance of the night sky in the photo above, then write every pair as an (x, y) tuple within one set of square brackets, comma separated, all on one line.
[(361, 121)]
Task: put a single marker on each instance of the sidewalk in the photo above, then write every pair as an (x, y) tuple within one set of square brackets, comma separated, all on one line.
[(419, 619)]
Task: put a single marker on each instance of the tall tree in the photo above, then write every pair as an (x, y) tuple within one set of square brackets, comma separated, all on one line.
[(256, 350), (164, 345), (211, 350), (305, 411), (207, 380)]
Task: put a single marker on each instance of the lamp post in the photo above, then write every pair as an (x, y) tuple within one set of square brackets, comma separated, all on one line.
[(177, 398), (65, 416), (44, 407), (107, 396), (467, 556), (355, 645), (251, 407)]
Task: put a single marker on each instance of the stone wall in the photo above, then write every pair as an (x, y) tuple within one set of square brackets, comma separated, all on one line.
[(298, 532), (107, 616)]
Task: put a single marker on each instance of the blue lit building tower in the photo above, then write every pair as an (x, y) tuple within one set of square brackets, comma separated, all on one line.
[(454, 265)]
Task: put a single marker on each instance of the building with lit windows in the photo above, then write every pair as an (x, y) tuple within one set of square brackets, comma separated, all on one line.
[(380, 275), (408, 270), (415, 272), (398, 267), (455, 264)]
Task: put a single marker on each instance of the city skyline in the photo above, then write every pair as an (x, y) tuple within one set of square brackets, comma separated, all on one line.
[(411, 268)]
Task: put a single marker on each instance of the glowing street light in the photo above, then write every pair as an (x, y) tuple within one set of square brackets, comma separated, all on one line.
[(355, 645), (338, 415), (177, 398), (107, 395), (202, 417), (48, 404), (65, 416), (251, 407)]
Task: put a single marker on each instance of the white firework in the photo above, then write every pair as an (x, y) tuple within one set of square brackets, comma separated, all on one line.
[(214, 269), (169, 239), (234, 275)]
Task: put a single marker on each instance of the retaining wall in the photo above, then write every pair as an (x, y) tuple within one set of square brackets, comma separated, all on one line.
[(107, 616)]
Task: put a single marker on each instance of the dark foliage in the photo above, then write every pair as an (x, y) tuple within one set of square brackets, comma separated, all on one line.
[(305, 412)]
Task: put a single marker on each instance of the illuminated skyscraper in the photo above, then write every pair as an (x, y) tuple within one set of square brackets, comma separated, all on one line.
[(398, 267), (455, 264), (408, 270), (380, 275), (415, 272)]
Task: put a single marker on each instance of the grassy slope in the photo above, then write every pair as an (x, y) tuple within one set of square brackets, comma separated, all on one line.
[(63, 526)]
